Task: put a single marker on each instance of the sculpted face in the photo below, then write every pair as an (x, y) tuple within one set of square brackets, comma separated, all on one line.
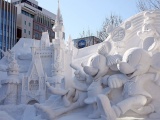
[(96, 66), (136, 61)]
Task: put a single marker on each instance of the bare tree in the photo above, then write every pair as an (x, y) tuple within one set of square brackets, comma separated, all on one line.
[(143, 5), (113, 19), (86, 33)]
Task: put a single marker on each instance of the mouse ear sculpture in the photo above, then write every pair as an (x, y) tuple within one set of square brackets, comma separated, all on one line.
[(106, 50)]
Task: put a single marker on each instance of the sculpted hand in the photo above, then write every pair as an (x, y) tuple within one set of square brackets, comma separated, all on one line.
[(78, 73), (114, 82), (105, 80), (47, 84), (157, 79)]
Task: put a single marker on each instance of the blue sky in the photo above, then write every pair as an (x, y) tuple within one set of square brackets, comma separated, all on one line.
[(79, 15)]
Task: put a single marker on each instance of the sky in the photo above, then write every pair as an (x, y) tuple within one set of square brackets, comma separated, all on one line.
[(84, 15)]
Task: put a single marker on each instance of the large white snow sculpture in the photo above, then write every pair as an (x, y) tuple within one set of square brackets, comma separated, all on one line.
[(116, 79), (135, 65)]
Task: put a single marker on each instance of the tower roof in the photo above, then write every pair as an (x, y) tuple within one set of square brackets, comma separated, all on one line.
[(45, 39), (59, 19)]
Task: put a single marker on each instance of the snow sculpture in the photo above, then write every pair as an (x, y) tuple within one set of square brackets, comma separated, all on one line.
[(7, 55), (83, 89), (89, 83), (128, 25), (72, 98), (9, 89), (149, 33), (5, 116), (39, 61), (135, 65), (97, 69), (118, 34)]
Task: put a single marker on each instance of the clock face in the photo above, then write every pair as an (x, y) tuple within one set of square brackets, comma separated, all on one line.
[(118, 34)]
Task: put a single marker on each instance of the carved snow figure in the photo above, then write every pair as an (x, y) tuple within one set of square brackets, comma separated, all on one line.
[(149, 33), (9, 89), (73, 97), (85, 88), (8, 54), (135, 65), (97, 69)]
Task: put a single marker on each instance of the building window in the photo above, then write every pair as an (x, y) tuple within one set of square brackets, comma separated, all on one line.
[(24, 30), (27, 14), (29, 32), (37, 27), (42, 29), (36, 35), (29, 24)]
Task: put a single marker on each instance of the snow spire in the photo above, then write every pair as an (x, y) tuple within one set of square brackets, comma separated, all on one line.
[(59, 19), (58, 28)]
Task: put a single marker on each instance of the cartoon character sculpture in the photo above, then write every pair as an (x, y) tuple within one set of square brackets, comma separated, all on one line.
[(97, 69), (135, 68), (87, 85), (149, 33), (73, 97)]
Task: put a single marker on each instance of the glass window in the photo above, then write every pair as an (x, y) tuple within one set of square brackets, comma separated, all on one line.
[(25, 22), (29, 24), (24, 30), (27, 14), (42, 29), (29, 32), (37, 27), (36, 35)]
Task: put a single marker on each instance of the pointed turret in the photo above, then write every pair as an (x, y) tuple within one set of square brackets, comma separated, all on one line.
[(33, 48), (45, 41), (59, 19), (13, 67), (58, 28), (9, 91)]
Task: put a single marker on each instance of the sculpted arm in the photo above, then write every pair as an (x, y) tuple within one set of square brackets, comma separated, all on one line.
[(55, 90), (80, 87), (79, 77), (116, 81), (155, 77)]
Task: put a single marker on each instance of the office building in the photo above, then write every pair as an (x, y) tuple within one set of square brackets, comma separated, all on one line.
[(8, 17), (86, 41), (32, 19)]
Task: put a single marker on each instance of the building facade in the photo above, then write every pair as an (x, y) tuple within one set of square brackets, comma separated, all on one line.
[(32, 20), (86, 41), (8, 27)]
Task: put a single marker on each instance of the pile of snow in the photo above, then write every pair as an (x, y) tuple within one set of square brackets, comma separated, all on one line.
[(15, 111), (5, 116)]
